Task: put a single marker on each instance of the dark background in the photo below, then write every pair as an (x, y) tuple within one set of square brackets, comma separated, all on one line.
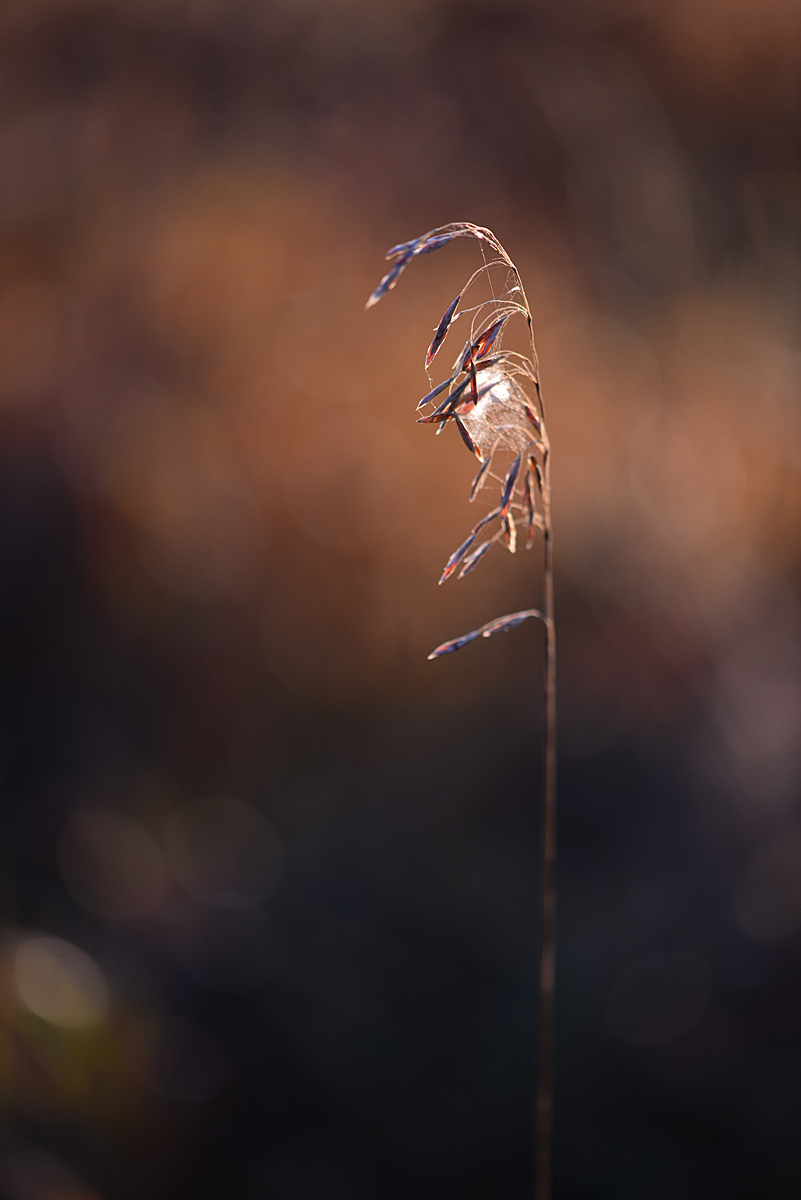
[(220, 535)]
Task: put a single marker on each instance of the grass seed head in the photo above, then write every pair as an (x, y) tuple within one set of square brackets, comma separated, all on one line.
[(494, 402)]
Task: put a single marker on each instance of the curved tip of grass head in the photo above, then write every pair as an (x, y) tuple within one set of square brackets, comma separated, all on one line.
[(499, 625), (403, 255)]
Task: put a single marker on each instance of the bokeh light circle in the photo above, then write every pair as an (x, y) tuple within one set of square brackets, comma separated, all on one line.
[(60, 983)]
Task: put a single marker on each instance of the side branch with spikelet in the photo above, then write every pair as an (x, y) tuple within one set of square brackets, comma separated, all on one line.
[(493, 398)]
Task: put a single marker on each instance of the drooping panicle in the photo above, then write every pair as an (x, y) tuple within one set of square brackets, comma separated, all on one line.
[(485, 394)]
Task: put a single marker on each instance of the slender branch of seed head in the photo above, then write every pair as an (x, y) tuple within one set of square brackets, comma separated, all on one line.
[(500, 625), (458, 555), (475, 558)]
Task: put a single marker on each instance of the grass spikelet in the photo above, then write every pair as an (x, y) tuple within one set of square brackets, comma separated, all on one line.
[(441, 331)]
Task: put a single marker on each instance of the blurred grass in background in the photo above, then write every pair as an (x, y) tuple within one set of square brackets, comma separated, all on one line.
[(266, 874)]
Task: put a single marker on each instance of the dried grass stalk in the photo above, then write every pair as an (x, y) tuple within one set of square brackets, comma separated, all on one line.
[(493, 398)]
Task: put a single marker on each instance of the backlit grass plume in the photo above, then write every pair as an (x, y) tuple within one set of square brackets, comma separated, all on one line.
[(492, 397)]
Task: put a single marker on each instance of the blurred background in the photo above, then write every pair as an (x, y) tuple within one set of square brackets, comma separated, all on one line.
[(268, 877)]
